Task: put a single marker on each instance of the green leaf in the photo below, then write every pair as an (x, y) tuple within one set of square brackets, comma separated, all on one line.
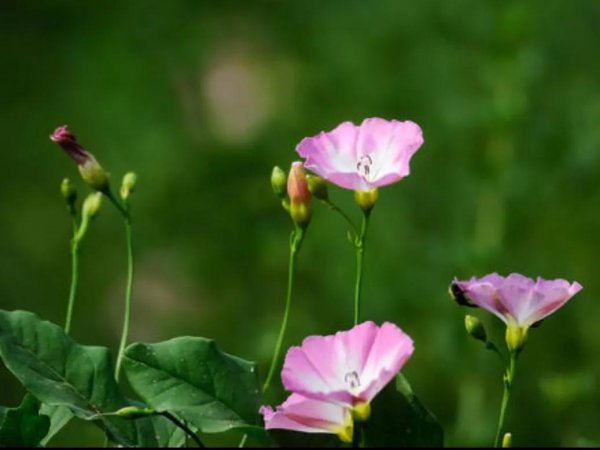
[(400, 420), (23, 426), (59, 417), (192, 378), (62, 373)]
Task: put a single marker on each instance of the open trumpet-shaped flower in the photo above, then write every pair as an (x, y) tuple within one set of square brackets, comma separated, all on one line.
[(299, 413), (348, 368), (518, 301), (375, 153)]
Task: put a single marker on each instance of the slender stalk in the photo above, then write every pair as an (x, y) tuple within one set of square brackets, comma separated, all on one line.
[(360, 251), (184, 427), (509, 377), (295, 243), (74, 276), (243, 441), (128, 295), (345, 216)]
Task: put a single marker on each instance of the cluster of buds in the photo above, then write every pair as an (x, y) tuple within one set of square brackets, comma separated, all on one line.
[(296, 191)]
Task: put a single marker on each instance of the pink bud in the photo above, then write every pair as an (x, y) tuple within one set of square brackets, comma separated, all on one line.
[(300, 197), (67, 140)]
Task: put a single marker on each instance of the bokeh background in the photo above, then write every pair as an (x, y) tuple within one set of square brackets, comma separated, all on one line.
[(203, 98)]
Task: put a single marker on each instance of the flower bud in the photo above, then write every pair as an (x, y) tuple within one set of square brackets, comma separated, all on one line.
[(91, 205), (475, 328), (91, 171), (128, 185), (300, 197), (133, 412), (507, 440), (366, 199), (317, 187), (516, 336), (279, 182), (68, 192)]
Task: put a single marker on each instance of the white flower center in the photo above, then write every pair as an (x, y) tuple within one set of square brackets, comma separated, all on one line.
[(352, 380), (363, 167)]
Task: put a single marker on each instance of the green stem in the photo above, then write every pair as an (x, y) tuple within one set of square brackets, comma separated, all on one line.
[(295, 243), (492, 347), (345, 216), (509, 377), (184, 427), (78, 233), (74, 273), (360, 251), (128, 295), (243, 441)]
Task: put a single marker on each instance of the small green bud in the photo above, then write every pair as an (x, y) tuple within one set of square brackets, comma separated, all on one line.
[(128, 185), (68, 192), (366, 199), (507, 440), (279, 182), (133, 412), (317, 187), (475, 328), (516, 336), (91, 205)]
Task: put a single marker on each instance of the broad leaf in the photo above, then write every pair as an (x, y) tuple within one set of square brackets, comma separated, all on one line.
[(62, 373), (59, 417), (399, 419), (23, 426), (192, 378)]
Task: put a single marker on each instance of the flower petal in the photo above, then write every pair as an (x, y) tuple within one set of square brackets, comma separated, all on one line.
[(389, 352), (390, 144), (299, 413)]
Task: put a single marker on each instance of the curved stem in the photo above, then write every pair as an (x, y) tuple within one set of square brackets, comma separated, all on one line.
[(489, 345), (128, 295), (509, 377), (296, 242), (360, 251), (184, 427), (345, 216)]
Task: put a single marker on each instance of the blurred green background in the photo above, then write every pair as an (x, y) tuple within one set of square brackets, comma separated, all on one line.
[(202, 98)]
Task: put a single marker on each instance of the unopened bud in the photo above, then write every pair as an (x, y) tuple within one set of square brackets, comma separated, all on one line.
[(133, 412), (475, 328), (366, 199), (91, 171), (507, 440), (128, 185), (91, 205), (68, 192), (279, 182), (317, 187), (516, 336), (300, 197)]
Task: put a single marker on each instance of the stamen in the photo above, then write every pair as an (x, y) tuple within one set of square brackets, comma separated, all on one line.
[(352, 379), (363, 166)]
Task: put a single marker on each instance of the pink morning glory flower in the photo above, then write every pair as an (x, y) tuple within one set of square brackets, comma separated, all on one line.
[(375, 153), (349, 368), (299, 413), (518, 301)]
